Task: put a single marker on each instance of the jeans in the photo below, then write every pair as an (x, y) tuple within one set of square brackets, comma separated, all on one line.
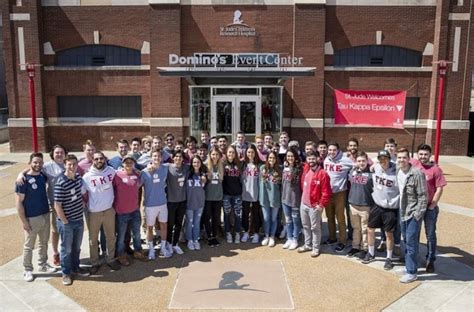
[(232, 203), (71, 240), (176, 212), (270, 217), (193, 222), (431, 217), (132, 219), (411, 237), (293, 221)]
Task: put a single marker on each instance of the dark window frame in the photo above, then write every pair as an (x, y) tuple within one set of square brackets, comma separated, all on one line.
[(99, 106), (377, 56), (98, 55)]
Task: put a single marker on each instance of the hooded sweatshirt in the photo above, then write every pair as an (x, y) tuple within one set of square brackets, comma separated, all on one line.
[(250, 180), (338, 170), (231, 183), (386, 193), (270, 188), (291, 186), (99, 185), (362, 187)]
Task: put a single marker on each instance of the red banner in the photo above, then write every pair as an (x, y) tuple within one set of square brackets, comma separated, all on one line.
[(385, 109)]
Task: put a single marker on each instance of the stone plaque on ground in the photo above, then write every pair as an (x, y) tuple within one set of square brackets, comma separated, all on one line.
[(252, 284)]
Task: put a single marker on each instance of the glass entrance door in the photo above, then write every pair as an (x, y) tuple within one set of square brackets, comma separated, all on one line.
[(231, 114)]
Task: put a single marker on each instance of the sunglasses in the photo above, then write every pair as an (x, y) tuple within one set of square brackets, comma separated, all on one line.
[(98, 158)]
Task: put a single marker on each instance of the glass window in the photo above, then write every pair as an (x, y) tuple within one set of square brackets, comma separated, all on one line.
[(377, 55), (271, 110), (100, 106), (411, 108), (235, 91), (200, 110), (98, 55)]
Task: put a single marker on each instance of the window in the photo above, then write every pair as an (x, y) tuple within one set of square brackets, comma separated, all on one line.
[(98, 55), (100, 106), (377, 55), (411, 108)]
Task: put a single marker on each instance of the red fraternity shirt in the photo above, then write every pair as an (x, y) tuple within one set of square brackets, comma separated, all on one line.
[(434, 177), (126, 192), (306, 196)]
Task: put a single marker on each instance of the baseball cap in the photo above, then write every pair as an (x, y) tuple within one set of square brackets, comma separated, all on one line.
[(383, 153), (127, 157)]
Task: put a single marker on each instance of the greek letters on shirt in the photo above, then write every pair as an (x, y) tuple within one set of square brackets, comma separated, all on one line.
[(194, 183), (250, 171), (360, 179), (102, 183), (333, 167), (232, 171), (384, 181)]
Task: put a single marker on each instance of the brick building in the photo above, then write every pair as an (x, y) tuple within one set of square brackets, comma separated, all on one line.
[(125, 68)]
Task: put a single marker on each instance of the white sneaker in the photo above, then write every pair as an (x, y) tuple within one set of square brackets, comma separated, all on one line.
[(169, 248), (229, 238), (255, 238), (245, 237), (190, 245), (28, 276), (197, 246), (293, 244), (408, 278), (283, 232), (287, 244), (178, 250), (151, 254), (47, 268), (165, 253), (237, 238), (271, 242), (265, 241)]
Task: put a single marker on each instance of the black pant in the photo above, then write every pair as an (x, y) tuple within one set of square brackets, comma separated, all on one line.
[(212, 217), (176, 212), (253, 223)]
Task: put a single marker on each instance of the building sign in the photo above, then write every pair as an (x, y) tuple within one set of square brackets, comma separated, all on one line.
[(385, 109), (237, 28), (235, 60)]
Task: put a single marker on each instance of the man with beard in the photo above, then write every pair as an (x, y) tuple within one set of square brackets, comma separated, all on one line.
[(98, 184), (122, 149), (435, 183), (33, 210)]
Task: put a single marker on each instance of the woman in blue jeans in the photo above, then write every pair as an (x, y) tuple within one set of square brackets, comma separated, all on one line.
[(196, 181), (270, 197), (291, 197)]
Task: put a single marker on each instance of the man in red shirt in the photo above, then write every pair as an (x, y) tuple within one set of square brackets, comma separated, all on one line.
[(316, 195), (435, 182)]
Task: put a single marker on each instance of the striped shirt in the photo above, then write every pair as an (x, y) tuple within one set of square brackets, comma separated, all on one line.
[(68, 193)]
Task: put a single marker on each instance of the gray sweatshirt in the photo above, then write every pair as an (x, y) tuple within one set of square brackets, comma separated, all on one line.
[(195, 193), (176, 183), (338, 170), (291, 187), (250, 182), (386, 193), (270, 188), (214, 186), (362, 187)]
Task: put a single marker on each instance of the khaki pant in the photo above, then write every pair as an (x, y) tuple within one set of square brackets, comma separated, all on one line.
[(54, 217), (359, 220), (335, 210), (40, 226), (106, 219)]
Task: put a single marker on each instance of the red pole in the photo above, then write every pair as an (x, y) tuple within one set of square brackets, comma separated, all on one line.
[(31, 75), (442, 67)]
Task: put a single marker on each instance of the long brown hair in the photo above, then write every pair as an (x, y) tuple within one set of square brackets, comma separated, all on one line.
[(219, 165), (276, 167)]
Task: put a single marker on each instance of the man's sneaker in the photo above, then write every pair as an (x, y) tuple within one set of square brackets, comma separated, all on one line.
[(361, 254), (164, 252), (330, 241), (255, 238), (353, 252), (314, 253), (213, 242), (265, 241), (46, 268), (28, 276), (139, 255), (190, 245), (271, 242), (151, 254), (408, 278), (283, 233), (114, 265), (56, 260), (94, 269), (197, 246), (67, 281), (368, 258), (237, 238), (82, 272), (381, 246), (293, 244), (178, 250), (340, 247), (388, 265), (169, 248), (123, 260), (304, 248), (229, 237), (287, 244), (430, 268), (245, 237)]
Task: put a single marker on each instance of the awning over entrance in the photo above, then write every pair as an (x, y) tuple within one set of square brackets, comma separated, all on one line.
[(236, 72)]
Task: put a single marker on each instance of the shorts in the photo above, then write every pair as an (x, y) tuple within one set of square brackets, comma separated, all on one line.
[(383, 218), (154, 212)]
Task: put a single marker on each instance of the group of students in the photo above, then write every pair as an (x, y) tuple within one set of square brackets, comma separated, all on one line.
[(163, 185)]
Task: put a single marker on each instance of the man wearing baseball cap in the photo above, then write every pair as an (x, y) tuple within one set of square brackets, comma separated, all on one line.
[(384, 213)]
